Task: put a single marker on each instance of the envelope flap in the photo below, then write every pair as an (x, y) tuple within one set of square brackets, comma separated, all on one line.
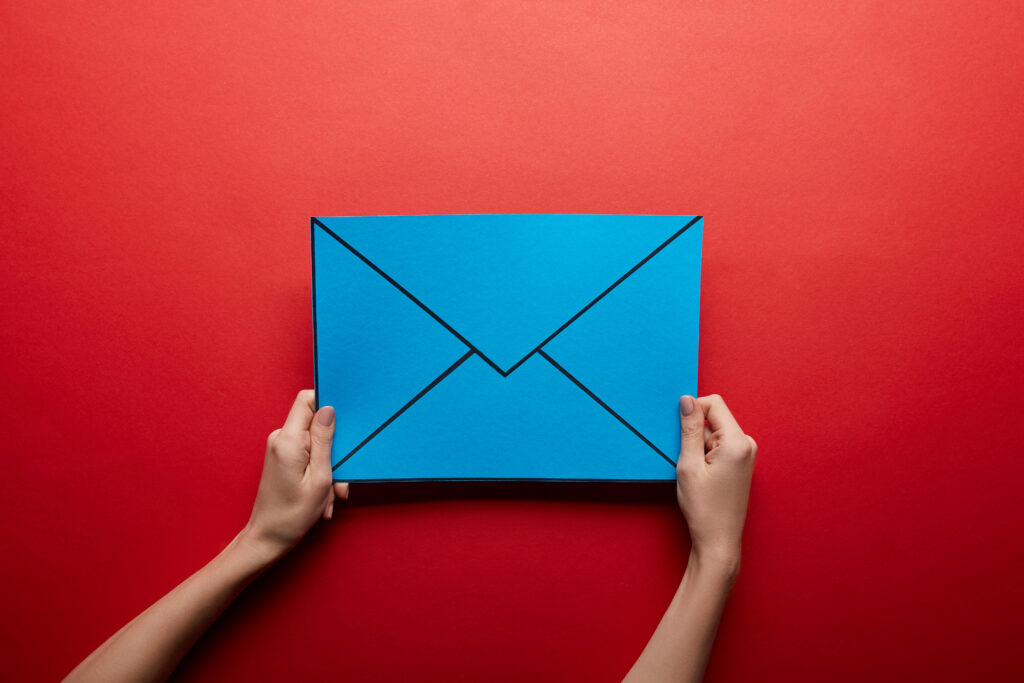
[(505, 283), (532, 424), (375, 349), (640, 369)]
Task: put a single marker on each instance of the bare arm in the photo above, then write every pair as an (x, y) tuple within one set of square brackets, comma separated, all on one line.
[(713, 483), (295, 490)]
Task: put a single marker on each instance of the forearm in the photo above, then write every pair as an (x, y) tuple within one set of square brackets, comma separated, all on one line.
[(150, 646), (679, 648)]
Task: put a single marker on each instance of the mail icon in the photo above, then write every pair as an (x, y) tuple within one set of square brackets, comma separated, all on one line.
[(495, 347)]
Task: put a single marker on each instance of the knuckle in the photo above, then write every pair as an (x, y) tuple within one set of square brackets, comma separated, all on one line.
[(284, 443), (742, 450), (272, 437), (693, 429), (320, 439), (752, 446), (304, 395), (736, 445), (686, 471)]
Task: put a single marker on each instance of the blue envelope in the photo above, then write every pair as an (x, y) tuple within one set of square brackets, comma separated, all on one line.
[(525, 347)]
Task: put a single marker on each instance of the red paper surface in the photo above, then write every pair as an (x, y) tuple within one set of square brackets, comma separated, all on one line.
[(860, 170)]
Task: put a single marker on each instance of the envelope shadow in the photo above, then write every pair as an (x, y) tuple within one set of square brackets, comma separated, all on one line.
[(382, 493)]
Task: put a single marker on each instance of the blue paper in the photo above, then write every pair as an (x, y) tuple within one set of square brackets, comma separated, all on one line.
[(525, 347)]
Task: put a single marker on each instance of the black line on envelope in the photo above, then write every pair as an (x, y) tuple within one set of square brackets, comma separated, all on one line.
[(316, 355), (404, 408), (412, 298), (600, 296), (604, 405), (455, 333)]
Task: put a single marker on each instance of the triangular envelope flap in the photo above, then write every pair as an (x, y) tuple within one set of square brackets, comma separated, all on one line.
[(375, 348), (637, 347), (505, 282), (533, 424)]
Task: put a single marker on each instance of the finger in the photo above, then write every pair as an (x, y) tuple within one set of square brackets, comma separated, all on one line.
[(718, 415), (341, 489), (691, 420), (300, 414), (329, 508), (321, 433)]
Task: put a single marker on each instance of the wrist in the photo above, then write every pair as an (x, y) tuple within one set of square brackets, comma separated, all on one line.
[(719, 563), (256, 547)]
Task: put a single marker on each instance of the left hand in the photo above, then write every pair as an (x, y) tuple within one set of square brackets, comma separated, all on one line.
[(296, 486)]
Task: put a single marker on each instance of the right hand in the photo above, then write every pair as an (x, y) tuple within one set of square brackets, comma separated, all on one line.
[(716, 463)]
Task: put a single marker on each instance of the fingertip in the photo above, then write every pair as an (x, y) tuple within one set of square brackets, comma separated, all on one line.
[(341, 489), (687, 405), (325, 416)]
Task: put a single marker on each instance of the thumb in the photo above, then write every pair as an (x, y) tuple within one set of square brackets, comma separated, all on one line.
[(321, 434), (691, 419)]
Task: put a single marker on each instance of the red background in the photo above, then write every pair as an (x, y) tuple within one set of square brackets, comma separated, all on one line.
[(860, 170)]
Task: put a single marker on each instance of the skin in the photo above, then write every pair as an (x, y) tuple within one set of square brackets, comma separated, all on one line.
[(295, 490), (716, 463)]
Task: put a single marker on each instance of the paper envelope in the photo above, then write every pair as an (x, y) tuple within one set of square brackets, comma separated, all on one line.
[(525, 347)]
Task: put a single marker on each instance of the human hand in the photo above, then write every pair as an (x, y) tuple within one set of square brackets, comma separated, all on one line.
[(716, 462), (295, 488)]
